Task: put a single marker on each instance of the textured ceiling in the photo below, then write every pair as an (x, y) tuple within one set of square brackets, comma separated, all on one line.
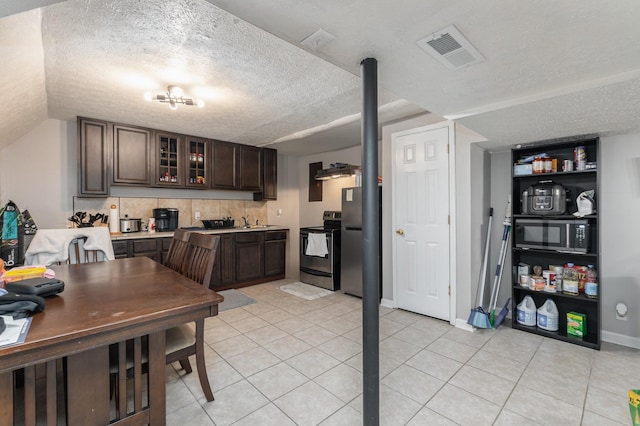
[(552, 69), (100, 57)]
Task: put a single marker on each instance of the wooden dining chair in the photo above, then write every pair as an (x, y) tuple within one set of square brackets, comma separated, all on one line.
[(175, 257), (78, 254), (183, 341), (177, 250)]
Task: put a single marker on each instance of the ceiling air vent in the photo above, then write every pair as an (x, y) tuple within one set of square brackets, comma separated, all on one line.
[(450, 48)]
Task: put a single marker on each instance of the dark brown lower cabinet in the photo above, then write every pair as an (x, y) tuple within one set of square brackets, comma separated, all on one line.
[(120, 249), (275, 253), (242, 259), (249, 256), (224, 272), (153, 248)]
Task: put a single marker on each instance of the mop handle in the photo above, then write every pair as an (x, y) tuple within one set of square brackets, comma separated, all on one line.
[(485, 261), (493, 299), (499, 268)]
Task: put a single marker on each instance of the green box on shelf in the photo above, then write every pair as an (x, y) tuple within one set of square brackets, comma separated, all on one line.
[(576, 324)]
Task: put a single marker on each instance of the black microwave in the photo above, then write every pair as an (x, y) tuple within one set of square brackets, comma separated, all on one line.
[(571, 236)]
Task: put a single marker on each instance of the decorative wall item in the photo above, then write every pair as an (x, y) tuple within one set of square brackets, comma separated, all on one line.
[(315, 186)]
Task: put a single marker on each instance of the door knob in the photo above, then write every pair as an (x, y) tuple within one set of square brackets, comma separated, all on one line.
[(399, 232)]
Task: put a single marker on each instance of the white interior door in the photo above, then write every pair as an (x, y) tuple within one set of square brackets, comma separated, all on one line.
[(421, 222)]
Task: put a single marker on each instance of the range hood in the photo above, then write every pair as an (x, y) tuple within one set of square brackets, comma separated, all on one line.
[(337, 170)]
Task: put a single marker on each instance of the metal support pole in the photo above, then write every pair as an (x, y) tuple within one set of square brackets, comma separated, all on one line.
[(370, 244)]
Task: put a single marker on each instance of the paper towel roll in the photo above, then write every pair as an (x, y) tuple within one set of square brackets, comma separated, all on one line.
[(114, 220)]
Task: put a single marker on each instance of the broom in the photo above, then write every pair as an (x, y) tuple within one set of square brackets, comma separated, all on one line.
[(500, 266), (478, 317)]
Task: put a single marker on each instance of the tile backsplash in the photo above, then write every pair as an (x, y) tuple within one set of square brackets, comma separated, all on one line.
[(209, 209)]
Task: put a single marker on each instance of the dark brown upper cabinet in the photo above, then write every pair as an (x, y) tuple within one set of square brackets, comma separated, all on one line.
[(124, 155), (236, 166), (93, 158), (269, 174), (250, 168), (224, 163), (131, 155), (169, 160), (197, 162)]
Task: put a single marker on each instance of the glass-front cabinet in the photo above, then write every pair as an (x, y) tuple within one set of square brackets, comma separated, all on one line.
[(169, 160), (197, 161)]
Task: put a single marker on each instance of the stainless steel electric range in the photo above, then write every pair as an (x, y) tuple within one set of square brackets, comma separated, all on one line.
[(317, 267)]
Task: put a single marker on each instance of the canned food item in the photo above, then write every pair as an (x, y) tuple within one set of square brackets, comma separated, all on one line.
[(567, 166), (538, 165), (524, 280), (537, 283), (580, 157), (558, 270), (549, 281)]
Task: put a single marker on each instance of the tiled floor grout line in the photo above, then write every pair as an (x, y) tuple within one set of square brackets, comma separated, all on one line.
[(398, 323), (504, 404)]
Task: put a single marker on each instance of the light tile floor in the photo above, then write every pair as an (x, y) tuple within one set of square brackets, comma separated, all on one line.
[(289, 361)]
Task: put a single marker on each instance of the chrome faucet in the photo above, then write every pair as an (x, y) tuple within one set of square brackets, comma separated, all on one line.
[(246, 221)]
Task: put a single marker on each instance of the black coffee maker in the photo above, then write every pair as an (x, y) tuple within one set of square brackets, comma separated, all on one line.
[(166, 219)]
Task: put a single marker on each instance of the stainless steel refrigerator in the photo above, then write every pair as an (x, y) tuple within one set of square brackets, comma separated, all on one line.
[(351, 247)]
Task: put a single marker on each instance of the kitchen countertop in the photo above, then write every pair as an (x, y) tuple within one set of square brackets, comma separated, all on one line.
[(145, 234)]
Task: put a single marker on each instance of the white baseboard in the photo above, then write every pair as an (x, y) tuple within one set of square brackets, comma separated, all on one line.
[(462, 324), (621, 339), (388, 303)]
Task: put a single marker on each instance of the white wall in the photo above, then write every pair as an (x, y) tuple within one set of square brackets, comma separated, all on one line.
[(619, 202), (500, 190), (479, 204), (284, 211), (39, 172), (471, 204)]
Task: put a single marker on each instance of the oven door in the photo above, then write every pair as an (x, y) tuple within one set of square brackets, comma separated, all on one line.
[(543, 234), (316, 263)]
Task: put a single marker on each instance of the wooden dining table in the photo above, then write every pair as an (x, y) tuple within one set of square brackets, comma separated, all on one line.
[(104, 305)]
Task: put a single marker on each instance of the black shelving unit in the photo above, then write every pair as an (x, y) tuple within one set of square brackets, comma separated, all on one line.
[(575, 182)]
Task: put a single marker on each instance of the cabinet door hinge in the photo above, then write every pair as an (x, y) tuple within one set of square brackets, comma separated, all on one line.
[(449, 290), (447, 149)]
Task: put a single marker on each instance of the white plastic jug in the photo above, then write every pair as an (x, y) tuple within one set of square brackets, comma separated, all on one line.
[(526, 311), (548, 316)]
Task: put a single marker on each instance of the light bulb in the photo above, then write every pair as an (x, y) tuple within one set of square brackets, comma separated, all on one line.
[(148, 97), (200, 103), (173, 105), (175, 91)]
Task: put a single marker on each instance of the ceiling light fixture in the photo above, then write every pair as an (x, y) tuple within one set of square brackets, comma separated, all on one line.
[(173, 97)]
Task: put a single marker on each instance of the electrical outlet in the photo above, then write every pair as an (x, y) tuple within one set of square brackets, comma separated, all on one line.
[(197, 215), (621, 311)]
